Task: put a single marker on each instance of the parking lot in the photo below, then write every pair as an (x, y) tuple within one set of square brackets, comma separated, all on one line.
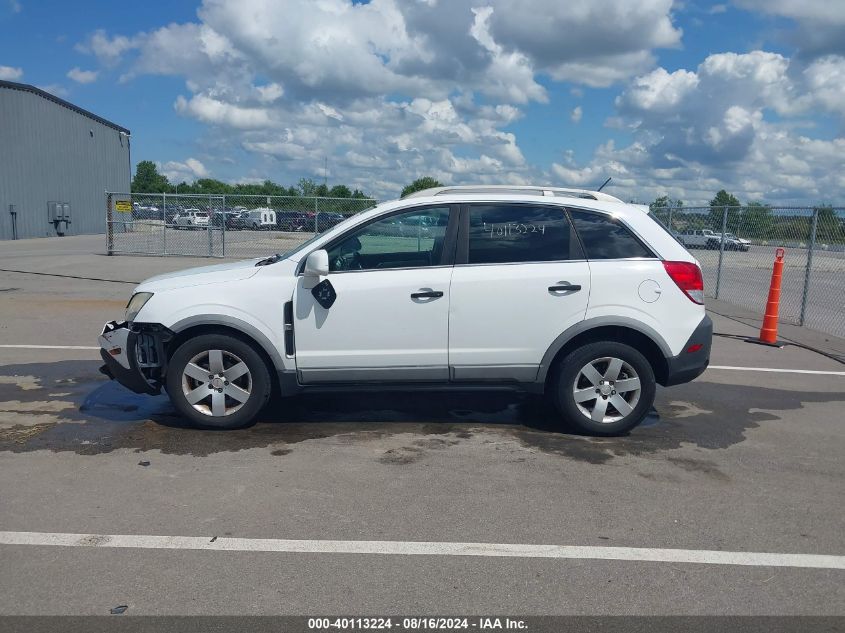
[(423, 503)]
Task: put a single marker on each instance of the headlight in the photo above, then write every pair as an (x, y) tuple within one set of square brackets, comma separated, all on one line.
[(136, 303)]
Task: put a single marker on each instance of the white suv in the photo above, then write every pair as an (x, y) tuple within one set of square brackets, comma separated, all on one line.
[(191, 218), (570, 293)]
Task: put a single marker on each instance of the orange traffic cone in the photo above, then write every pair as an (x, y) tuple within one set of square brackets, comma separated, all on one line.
[(769, 329)]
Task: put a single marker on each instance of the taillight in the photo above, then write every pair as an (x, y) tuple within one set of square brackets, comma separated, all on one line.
[(688, 278)]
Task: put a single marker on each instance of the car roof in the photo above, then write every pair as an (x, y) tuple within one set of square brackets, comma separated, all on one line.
[(613, 206), (534, 190)]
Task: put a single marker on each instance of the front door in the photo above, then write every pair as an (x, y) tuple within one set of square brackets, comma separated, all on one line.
[(520, 280), (390, 318)]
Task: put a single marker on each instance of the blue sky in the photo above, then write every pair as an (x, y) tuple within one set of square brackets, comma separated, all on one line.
[(681, 98)]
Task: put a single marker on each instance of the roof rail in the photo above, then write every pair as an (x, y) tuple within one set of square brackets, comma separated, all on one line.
[(536, 190)]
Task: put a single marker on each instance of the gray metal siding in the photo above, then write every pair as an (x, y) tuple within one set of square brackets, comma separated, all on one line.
[(47, 154)]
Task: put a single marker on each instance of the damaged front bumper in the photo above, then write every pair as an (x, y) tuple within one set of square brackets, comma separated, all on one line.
[(134, 355)]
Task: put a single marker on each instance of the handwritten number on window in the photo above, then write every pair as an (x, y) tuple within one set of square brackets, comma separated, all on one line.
[(509, 229)]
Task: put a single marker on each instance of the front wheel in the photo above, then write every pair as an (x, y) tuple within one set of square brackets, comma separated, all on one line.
[(604, 388), (218, 381)]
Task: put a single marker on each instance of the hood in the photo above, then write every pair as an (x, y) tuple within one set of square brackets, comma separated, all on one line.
[(232, 271)]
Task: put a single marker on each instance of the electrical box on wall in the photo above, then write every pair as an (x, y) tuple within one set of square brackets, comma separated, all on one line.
[(58, 214)]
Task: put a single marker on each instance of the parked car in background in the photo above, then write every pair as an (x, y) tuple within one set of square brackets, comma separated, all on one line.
[(261, 219), (145, 212), (705, 238), (699, 238), (291, 220), (191, 219), (734, 243), (322, 221), (231, 218), (575, 295), (239, 221)]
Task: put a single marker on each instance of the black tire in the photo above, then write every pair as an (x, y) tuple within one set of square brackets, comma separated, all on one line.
[(259, 376), (564, 381)]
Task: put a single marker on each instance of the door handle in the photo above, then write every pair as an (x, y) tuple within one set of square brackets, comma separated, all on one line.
[(564, 287), (427, 294)]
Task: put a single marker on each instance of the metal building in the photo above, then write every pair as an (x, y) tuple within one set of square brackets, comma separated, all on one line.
[(56, 162)]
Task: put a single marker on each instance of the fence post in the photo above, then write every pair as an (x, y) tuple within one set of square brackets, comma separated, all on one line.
[(164, 222), (809, 268), (721, 249), (670, 220), (223, 218), (109, 225), (316, 215), (210, 226)]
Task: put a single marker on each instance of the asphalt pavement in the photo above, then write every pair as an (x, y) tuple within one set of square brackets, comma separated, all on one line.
[(365, 502)]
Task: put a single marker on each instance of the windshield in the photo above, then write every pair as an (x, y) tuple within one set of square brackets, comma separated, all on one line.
[(336, 228)]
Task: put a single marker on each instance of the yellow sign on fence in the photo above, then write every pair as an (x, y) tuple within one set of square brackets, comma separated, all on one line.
[(122, 205)]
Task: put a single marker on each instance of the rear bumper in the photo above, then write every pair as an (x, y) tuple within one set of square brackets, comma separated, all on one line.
[(688, 366), (134, 355)]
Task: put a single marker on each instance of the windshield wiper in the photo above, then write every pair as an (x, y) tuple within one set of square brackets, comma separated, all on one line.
[(269, 260)]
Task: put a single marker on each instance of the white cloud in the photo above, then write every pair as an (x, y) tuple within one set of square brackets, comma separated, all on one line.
[(10, 73), (390, 90), (15, 6), (698, 131), (217, 112), (825, 79), (186, 171), (108, 50), (82, 76), (717, 8)]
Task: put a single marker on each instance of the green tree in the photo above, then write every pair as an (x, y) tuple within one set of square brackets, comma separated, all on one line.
[(211, 186), (829, 227), (148, 180), (340, 191), (756, 220), (717, 204), (426, 182), (307, 187), (665, 202)]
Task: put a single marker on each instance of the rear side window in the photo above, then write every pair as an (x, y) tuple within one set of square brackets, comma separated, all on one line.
[(606, 238), (507, 233)]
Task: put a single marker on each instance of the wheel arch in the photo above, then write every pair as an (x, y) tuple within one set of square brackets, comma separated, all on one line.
[(637, 335), (214, 324)]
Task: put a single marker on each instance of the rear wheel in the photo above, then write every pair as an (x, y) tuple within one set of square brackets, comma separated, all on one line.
[(604, 388), (218, 381)]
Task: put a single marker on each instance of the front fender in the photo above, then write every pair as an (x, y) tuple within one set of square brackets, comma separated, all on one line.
[(236, 320)]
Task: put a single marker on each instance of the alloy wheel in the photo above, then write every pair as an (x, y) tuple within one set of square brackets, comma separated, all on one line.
[(216, 382), (606, 390)]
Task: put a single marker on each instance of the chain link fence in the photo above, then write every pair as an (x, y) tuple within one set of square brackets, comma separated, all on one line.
[(236, 226), (736, 247)]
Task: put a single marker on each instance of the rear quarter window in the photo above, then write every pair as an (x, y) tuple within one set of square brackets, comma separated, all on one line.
[(606, 238)]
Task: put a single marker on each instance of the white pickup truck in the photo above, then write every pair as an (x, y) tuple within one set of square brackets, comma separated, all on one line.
[(705, 238)]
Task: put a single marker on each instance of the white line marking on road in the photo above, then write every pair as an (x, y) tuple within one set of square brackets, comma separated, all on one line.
[(781, 371), (47, 347), (639, 554)]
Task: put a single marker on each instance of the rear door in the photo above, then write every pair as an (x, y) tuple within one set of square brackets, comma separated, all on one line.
[(520, 280)]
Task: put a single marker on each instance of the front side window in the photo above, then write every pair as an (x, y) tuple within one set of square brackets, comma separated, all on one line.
[(507, 233), (604, 237), (405, 240)]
